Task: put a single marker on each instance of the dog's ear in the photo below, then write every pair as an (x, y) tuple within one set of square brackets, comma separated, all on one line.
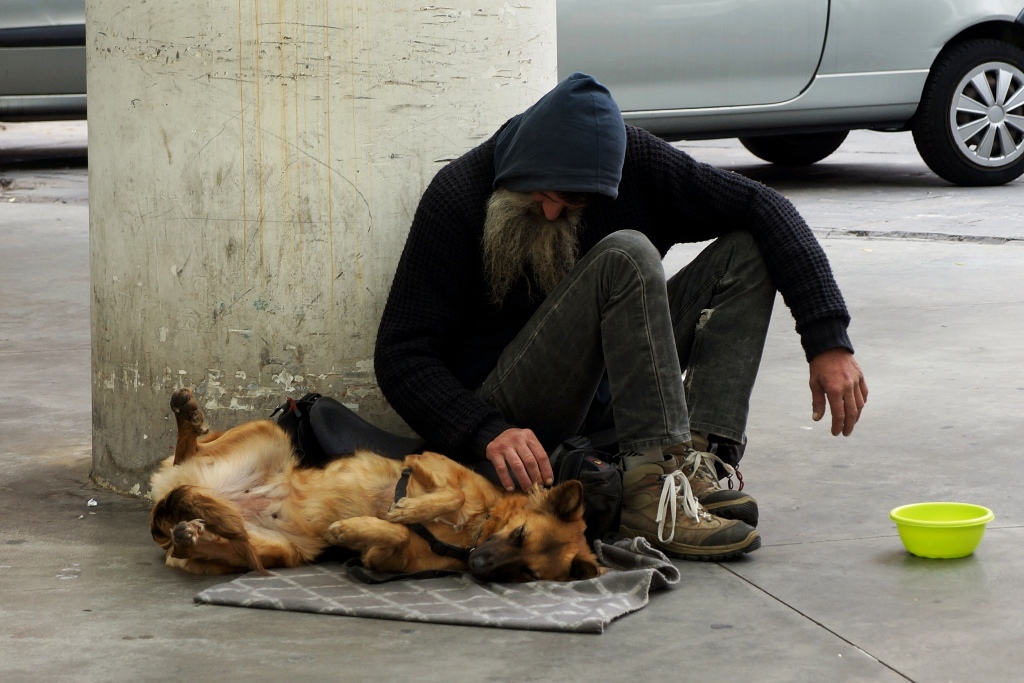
[(565, 501), (583, 568)]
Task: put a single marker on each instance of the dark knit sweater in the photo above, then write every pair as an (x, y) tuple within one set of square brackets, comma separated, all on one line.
[(440, 336)]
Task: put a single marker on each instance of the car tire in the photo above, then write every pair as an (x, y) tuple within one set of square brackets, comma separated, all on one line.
[(969, 127), (801, 149)]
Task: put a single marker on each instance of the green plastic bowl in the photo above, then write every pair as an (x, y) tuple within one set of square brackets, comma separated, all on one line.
[(941, 530)]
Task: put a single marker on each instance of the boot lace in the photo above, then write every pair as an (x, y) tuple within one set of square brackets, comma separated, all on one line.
[(676, 488), (703, 465)]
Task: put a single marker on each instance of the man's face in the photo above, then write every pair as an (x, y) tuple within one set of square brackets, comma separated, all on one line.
[(530, 234), (554, 204)]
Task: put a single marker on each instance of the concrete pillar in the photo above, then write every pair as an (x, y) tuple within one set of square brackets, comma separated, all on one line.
[(253, 171)]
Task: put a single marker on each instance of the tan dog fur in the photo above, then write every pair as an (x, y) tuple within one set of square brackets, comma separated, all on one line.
[(237, 500)]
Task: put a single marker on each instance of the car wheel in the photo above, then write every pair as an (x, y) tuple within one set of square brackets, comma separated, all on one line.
[(794, 150), (969, 127)]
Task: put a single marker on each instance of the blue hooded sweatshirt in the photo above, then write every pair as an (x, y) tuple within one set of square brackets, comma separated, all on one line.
[(572, 140)]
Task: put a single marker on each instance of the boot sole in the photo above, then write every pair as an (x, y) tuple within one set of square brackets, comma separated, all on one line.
[(699, 553), (745, 511)]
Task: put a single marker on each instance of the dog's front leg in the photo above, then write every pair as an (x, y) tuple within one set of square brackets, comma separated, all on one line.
[(382, 546), (426, 506), (387, 547), (431, 493), (360, 533)]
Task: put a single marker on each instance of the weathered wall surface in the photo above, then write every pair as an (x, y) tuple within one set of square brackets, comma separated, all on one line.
[(253, 171)]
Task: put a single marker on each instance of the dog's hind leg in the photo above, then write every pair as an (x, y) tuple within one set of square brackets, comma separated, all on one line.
[(189, 522), (199, 551), (191, 424), (195, 545), (194, 565)]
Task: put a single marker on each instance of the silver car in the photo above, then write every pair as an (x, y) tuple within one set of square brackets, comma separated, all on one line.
[(790, 78), (42, 59)]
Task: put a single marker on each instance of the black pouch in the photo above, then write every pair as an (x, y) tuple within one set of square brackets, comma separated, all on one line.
[(577, 459), (322, 430), (295, 419), (729, 451)]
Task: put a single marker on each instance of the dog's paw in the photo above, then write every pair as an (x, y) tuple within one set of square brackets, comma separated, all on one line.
[(185, 406), (186, 534), (180, 398), (339, 533), (401, 511)]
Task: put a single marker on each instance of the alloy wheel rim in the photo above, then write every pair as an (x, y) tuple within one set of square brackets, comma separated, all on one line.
[(987, 114)]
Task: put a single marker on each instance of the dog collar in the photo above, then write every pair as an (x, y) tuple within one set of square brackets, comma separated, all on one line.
[(438, 547)]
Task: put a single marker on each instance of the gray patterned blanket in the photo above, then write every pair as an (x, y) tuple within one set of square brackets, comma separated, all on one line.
[(346, 589)]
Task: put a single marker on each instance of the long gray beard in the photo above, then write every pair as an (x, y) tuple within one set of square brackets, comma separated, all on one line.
[(519, 241)]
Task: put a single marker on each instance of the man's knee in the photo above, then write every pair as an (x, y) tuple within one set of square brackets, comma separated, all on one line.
[(743, 259), (742, 244), (634, 246), (739, 241)]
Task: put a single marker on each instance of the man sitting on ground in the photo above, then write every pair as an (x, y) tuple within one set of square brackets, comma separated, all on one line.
[(530, 305)]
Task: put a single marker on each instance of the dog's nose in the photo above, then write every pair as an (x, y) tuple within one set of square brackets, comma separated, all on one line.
[(477, 562)]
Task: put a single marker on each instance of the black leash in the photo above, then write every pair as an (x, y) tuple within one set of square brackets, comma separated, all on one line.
[(436, 546)]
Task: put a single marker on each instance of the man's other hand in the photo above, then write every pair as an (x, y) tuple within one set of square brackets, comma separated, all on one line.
[(836, 376), (516, 453)]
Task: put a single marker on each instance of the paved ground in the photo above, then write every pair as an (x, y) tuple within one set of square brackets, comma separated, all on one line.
[(934, 279)]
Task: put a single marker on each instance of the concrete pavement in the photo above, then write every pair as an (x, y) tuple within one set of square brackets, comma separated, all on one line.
[(933, 276)]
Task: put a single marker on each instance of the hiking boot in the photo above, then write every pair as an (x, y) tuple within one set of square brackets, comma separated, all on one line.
[(700, 468), (658, 504)]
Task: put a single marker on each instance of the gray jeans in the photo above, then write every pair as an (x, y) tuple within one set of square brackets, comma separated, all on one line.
[(614, 312)]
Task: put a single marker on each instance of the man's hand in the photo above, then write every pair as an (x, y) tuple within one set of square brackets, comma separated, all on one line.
[(519, 451), (836, 376)]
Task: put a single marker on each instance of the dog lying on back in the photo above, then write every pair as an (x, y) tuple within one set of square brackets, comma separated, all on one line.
[(237, 501)]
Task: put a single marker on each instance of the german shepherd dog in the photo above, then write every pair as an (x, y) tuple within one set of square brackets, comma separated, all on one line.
[(238, 500)]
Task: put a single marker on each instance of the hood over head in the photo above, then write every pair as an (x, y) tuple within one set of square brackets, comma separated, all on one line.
[(572, 140)]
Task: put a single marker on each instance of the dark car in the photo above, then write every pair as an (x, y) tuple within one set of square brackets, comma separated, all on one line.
[(42, 60)]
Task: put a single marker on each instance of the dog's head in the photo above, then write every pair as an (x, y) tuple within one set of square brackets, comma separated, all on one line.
[(538, 536)]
